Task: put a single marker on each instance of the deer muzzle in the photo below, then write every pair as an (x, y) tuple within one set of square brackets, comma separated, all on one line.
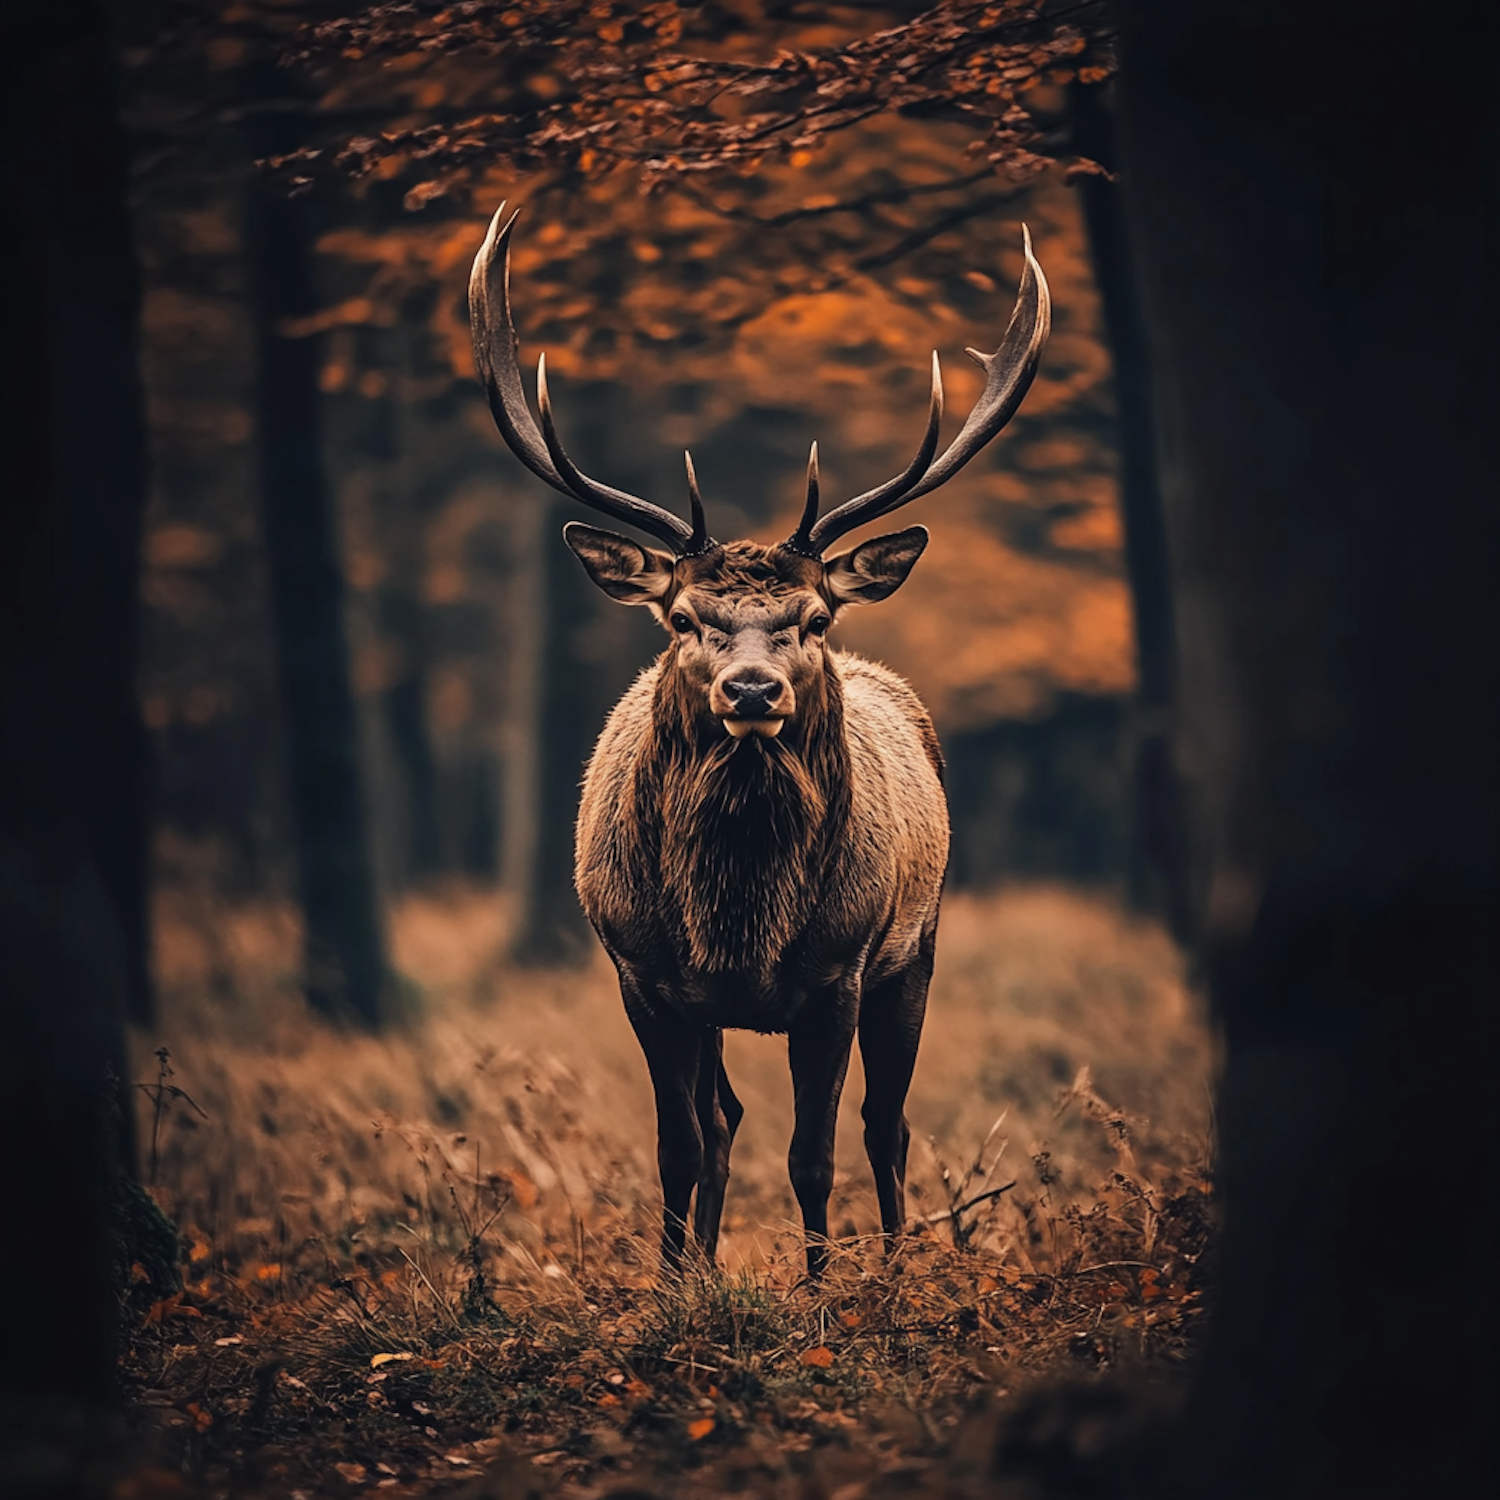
[(752, 703)]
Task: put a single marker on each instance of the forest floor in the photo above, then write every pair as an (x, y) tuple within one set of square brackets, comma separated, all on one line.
[(425, 1261)]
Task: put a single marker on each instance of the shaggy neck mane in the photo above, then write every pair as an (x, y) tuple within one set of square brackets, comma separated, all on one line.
[(748, 827)]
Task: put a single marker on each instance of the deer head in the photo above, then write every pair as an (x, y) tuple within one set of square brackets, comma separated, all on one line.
[(749, 622)]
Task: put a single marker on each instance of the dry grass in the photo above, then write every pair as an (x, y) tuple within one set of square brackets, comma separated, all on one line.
[(475, 1195)]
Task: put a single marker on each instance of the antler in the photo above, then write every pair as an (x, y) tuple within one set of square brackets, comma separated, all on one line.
[(497, 358), (1008, 375)]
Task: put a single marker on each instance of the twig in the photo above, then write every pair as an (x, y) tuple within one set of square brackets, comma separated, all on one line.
[(979, 1169), (844, 206), (692, 1364), (952, 1213), (160, 1093), (950, 220), (437, 1296)]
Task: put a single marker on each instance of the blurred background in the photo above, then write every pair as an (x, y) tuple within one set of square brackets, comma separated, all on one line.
[(297, 683), (370, 673), (306, 680), (364, 648)]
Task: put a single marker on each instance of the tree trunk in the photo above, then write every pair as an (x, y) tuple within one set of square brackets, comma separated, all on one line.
[(521, 749), (1312, 200), (1156, 876), (346, 970), (569, 705), (92, 300), (586, 651), (72, 886)]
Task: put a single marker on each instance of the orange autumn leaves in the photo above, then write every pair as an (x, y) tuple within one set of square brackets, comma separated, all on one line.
[(1021, 595), (811, 282)]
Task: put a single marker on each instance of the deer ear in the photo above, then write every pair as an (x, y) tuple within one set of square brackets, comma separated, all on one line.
[(624, 569), (874, 570)]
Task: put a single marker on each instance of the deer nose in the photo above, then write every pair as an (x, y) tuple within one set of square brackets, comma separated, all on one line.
[(751, 699)]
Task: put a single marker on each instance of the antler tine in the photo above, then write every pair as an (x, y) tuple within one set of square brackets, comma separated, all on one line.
[(801, 539), (813, 538), (700, 541), (1009, 372), (497, 358)]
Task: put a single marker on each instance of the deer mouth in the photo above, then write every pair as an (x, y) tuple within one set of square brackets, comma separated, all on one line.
[(742, 728)]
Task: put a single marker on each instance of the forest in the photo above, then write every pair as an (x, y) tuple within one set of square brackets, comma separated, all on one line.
[(336, 1154)]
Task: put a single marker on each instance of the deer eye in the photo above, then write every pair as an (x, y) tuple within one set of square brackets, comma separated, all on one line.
[(682, 623), (818, 625)]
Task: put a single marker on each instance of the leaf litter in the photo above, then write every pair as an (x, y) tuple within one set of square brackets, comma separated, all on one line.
[(495, 1310)]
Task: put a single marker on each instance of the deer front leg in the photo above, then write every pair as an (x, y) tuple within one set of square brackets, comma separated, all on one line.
[(818, 1048), (719, 1116), (890, 1026), (672, 1051)]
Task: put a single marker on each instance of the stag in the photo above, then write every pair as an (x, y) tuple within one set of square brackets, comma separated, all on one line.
[(763, 835)]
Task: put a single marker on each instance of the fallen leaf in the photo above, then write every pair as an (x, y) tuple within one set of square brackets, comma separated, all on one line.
[(234, 1338), (170, 1307), (351, 1473), (376, 1360), (202, 1417), (522, 1187), (700, 1429), (819, 1357)]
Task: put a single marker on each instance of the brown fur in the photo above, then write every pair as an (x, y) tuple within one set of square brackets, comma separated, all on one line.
[(747, 826)]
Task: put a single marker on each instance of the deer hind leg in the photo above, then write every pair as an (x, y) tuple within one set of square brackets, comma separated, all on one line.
[(818, 1049), (672, 1051), (719, 1116), (890, 1026)]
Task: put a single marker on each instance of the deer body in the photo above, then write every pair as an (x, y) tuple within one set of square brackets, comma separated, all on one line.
[(763, 834), (801, 904), (853, 885)]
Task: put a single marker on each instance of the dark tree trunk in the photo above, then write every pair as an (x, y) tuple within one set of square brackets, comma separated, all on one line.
[(72, 886), (346, 971), (585, 652), (1312, 200), (421, 854), (92, 301), (1156, 875), (572, 700)]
